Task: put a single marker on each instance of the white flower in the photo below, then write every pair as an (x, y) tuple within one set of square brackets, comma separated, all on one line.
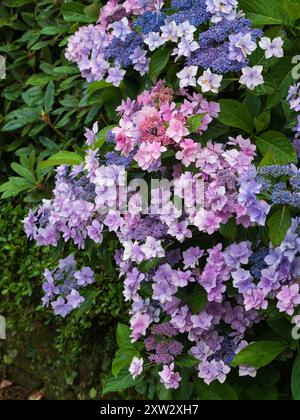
[(246, 370), (152, 248), (187, 30), (128, 245), (272, 48), (252, 77), (210, 81), (170, 32), (187, 76), (136, 367), (115, 75), (185, 48), (154, 41)]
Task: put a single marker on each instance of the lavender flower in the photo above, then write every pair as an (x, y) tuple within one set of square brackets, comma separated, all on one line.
[(136, 367), (169, 378), (252, 77)]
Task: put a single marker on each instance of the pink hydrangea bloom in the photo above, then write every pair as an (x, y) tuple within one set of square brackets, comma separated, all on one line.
[(288, 299), (177, 130), (255, 299), (189, 152), (139, 324), (148, 154), (136, 367), (124, 136), (169, 378)]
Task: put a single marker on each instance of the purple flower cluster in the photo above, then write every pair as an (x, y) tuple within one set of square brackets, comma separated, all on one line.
[(69, 214), (101, 50), (258, 276), (62, 284), (165, 349)]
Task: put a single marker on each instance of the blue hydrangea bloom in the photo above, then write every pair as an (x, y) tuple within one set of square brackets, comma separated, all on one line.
[(120, 51), (150, 22), (214, 46)]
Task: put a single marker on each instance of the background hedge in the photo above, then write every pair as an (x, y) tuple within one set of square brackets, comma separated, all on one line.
[(43, 111)]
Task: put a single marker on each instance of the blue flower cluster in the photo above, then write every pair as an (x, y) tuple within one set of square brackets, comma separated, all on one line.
[(214, 46), (227, 352), (150, 22), (257, 262), (286, 189), (281, 195), (113, 158), (193, 11), (121, 51)]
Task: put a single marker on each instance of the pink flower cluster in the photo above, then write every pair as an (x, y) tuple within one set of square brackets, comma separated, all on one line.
[(154, 123), (159, 242)]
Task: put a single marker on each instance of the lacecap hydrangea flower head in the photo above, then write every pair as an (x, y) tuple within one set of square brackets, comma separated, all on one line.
[(127, 34)]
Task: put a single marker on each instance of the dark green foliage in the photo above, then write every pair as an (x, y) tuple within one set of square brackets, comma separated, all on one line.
[(44, 105)]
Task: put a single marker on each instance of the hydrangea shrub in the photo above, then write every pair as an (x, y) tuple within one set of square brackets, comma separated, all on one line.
[(210, 254)]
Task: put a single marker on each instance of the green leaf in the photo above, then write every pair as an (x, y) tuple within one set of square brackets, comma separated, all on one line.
[(158, 63), (262, 121), (40, 45), (235, 114), (259, 354), (62, 158), (121, 382), (14, 124), (197, 299), (93, 393), (186, 360), (92, 11), (262, 393), (163, 393), (74, 12), (65, 70), (271, 12), (183, 393), (54, 30), (33, 96), (14, 186), (194, 123), (267, 88), (17, 3), (276, 148), (296, 379), (122, 359), (123, 337), (230, 230), (278, 224), (39, 79), (95, 86), (23, 172), (148, 265), (215, 392), (49, 97)]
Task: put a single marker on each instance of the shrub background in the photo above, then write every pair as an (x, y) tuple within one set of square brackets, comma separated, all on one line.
[(42, 111)]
